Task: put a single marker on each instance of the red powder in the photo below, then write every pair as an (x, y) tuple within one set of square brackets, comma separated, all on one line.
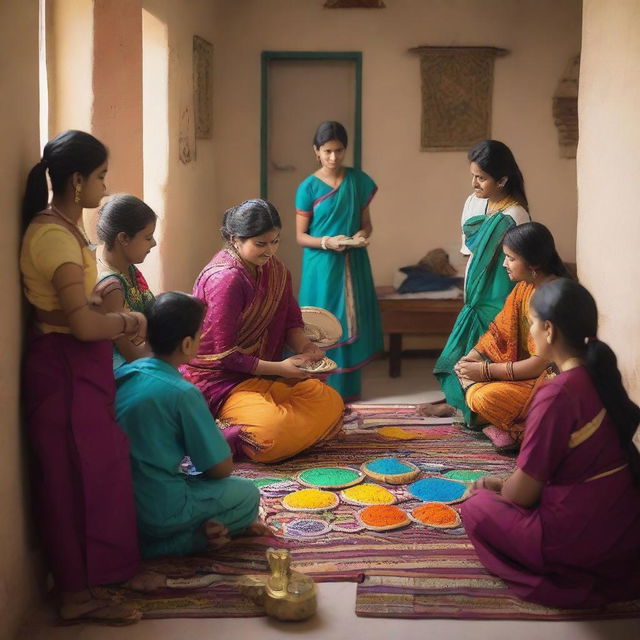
[(435, 513)]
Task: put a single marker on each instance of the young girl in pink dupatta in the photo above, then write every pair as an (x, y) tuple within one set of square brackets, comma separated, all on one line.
[(81, 475), (564, 529), (268, 407)]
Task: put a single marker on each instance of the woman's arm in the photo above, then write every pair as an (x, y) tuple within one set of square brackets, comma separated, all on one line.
[(305, 240), (85, 323), (522, 489), (526, 369), (366, 229), (113, 302)]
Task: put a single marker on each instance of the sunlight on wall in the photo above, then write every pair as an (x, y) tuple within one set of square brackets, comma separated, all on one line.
[(155, 137)]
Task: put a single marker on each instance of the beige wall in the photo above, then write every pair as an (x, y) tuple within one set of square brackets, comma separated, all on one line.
[(421, 194), (19, 152), (609, 175), (188, 231)]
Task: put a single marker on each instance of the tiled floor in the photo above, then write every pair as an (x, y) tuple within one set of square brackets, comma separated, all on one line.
[(335, 619)]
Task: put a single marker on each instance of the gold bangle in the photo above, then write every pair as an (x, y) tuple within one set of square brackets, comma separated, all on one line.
[(323, 242), (510, 375)]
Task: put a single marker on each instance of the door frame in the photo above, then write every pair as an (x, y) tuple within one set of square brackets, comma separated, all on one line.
[(267, 57)]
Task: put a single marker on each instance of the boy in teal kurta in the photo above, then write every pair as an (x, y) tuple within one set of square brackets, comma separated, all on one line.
[(166, 419)]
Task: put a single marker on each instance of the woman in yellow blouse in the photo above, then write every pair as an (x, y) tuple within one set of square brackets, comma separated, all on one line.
[(82, 473)]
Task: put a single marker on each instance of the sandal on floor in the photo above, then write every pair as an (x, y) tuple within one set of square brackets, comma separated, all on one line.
[(115, 615), (502, 441)]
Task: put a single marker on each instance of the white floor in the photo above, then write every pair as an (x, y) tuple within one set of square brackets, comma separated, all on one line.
[(335, 619)]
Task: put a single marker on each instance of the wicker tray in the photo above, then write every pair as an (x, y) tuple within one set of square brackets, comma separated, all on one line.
[(306, 483), (397, 478), (348, 500), (453, 525), (389, 527), (335, 503)]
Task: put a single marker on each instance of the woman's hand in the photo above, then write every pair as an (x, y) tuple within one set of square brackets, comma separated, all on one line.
[(362, 236), (136, 328), (469, 369), (312, 353), (491, 483), (332, 243), (290, 368)]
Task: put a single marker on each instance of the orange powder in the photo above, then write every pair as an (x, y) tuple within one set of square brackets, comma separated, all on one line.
[(435, 513), (383, 515)]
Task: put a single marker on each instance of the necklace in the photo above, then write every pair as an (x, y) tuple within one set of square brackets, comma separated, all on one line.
[(75, 225), (110, 267), (335, 180), (495, 207)]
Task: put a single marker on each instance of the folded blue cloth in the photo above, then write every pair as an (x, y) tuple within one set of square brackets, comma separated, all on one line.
[(420, 280)]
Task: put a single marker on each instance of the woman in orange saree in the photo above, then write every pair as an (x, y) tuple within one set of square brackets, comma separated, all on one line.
[(502, 371), (268, 407)]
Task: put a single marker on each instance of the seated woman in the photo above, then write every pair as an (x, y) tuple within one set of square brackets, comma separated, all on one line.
[(271, 407), (564, 529), (166, 419), (126, 226), (500, 374)]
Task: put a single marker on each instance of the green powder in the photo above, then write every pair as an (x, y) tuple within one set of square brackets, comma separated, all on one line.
[(465, 475), (329, 476), (263, 482)]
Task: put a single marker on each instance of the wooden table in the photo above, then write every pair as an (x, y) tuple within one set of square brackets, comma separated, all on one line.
[(413, 316)]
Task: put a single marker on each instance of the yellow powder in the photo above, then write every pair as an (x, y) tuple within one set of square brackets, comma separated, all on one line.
[(368, 493), (397, 433), (310, 499)]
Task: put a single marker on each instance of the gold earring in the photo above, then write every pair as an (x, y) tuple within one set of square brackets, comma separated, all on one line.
[(533, 274), (76, 197), (548, 339)]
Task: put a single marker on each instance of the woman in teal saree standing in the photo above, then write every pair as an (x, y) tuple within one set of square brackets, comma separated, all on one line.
[(334, 226), (498, 203)]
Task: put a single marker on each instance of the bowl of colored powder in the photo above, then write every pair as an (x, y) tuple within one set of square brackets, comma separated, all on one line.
[(306, 528), (438, 490), (310, 500), (390, 470), (330, 477), (383, 517), (437, 515), (367, 494), (468, 476)]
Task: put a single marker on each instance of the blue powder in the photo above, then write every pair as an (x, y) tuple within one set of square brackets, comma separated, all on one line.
[(436, 490), (388, 466)]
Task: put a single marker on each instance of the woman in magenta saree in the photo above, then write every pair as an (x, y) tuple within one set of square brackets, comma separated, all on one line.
[(564, 529), (268, 408), (82, 475)]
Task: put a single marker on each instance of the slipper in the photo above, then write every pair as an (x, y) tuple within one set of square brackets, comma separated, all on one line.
[(502, 441), (114, 615)]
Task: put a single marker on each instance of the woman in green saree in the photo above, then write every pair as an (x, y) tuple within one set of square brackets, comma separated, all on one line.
[(497, 204), (334, 225), (126, 226)]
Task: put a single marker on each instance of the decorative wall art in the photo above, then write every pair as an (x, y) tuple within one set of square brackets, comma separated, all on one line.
[(457, 88), (203, 87), (186, 136), (354, 4), (565, 109)]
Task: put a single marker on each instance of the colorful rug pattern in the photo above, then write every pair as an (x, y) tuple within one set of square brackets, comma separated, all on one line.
[(415, 572)]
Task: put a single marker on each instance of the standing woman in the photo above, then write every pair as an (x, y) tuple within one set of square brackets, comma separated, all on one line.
[(82, 475), (333, 206), (126, 226), (497, 204), (564, 529)]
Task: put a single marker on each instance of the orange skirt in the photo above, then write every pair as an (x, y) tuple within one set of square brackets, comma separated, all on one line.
[(502, 404), (279, 419)]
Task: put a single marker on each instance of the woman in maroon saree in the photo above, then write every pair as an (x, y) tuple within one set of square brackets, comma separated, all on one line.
[(81, 475), (564, 529), (269, 408)]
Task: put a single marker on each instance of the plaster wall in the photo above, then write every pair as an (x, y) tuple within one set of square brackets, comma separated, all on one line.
[(187, 234), (421, 194), (609, 174), (19, 152)]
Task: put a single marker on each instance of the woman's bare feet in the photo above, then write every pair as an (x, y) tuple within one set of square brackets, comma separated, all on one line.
[(435, 410), (81, 607), (257, 529), (216, 533), (146, 581)]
